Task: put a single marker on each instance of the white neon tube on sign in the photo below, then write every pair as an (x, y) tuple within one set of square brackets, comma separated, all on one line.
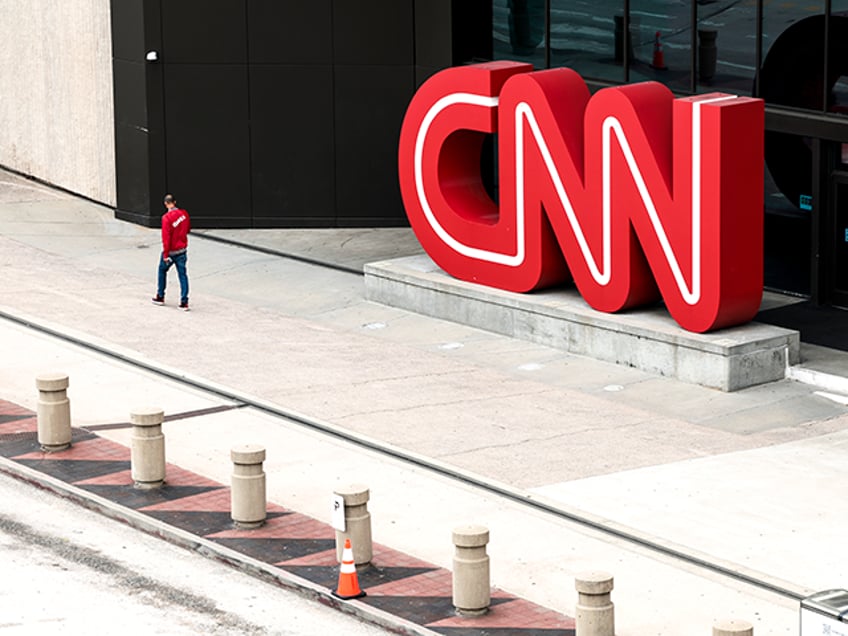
[(602, 275), (466, 250)]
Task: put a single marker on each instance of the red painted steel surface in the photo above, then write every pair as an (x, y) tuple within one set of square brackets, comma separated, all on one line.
[(632, 194)]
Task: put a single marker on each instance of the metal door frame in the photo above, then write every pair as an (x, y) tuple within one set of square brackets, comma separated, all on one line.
[(830, 235)]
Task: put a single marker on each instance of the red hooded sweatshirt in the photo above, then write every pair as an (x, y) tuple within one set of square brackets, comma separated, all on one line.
[(175, 227)]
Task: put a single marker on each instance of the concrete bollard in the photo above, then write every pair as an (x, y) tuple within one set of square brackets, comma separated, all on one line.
[(595, 615), (248, 505), (54, 412), (471, 583), (147, 448), (357, 524), (733, 627)]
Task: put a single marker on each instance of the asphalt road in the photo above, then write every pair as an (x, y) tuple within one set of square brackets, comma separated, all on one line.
[(70, 571)]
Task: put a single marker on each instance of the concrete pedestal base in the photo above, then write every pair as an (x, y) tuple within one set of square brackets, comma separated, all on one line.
[(471, 575), (647, 339), (357, 524), (248, 500), (147, 449)]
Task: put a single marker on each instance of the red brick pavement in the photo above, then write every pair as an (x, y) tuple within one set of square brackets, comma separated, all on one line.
[(396, 582)]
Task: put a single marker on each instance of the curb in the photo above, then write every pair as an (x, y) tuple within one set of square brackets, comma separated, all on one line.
[(211, 550), (818, 379)]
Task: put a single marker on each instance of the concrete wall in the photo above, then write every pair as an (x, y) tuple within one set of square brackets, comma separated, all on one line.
[(56, 107)]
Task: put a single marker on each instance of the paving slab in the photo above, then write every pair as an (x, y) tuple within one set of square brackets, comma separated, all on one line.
[(754, 487)]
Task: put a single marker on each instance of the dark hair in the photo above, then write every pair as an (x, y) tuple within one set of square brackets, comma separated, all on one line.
[(169, 198)]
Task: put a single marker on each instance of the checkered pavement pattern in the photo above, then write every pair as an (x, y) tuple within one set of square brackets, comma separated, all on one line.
[(396, 583)]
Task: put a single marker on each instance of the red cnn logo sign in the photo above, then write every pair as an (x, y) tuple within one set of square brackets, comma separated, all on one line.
[(630, 193)]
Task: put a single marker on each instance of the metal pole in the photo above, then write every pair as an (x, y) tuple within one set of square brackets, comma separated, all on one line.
[(547, 33), (759, 52), (625, 41), (818, 290), (825, 85), (693, 49)]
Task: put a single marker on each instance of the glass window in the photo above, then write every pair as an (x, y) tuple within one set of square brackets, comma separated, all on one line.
[(837, 59), (662, 42), (840, 242), (587, 36), (787, 234), (727, 46), (518, 31), (789, 159), (793, 54)]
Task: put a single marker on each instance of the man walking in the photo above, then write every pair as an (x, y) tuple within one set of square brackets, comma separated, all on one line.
[(175, 228)]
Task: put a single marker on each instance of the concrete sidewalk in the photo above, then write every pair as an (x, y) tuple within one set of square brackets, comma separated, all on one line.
[(534, 556), (747, 478)]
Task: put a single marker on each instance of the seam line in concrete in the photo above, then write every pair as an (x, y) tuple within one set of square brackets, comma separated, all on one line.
[(168, 418), (272, 252)]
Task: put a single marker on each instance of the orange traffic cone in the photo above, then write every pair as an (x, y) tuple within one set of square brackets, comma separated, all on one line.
[(659, 59), (348, 581)]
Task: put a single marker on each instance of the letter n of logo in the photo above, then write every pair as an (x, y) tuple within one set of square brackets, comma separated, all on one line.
[(630, 193)]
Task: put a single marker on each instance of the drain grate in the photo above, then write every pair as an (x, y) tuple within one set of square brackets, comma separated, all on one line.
[(77, 435), (18, 437)]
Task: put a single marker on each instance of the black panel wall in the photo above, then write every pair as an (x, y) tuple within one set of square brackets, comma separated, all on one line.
[(291, 107), (204, 32), (268, 113), (204, 56), (131, 137), (450, 33), (139, 134), (208, 146), (291, 33), (433, 42), (292, 142), (370, 103), (374, 80)]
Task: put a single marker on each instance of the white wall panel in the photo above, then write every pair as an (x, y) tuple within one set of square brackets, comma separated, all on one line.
[(56, 105)]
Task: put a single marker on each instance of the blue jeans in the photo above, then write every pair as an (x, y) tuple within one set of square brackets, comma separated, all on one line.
[(180, 261)]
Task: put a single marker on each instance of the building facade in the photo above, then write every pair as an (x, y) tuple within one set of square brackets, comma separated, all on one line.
[(793, 55), (270, 113), (56, 108)]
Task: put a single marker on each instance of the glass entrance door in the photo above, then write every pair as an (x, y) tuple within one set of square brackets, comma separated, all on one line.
[(839, 243)]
